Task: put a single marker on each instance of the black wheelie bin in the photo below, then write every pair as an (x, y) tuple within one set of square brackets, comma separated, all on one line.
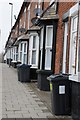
[(61, 94), (23, 72)]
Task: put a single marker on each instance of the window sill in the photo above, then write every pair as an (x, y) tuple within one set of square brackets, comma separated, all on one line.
[(73, 77), (34, 66)]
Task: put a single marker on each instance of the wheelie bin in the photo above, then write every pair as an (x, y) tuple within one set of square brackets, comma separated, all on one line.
[(61, 94), (23, 72)]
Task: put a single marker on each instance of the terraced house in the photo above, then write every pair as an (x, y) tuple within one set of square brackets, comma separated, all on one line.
[(46, 35)]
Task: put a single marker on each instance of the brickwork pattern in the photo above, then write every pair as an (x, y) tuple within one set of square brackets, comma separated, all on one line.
[(62, 8)]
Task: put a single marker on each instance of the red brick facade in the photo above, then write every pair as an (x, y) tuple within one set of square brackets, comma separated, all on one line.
[(62, 8)]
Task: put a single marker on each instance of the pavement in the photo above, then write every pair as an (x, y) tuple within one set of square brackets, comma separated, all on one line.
[(0, 91), (21, 100)]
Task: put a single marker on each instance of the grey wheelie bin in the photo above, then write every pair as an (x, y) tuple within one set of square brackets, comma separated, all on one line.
[(23, 72), (61, 94)]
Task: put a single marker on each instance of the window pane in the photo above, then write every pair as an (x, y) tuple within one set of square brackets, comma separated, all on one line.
[(49, 36), (16, 49), (25, 58), (16, 57), (41, 59), (41, 42), (21, 46), (34, 41), (25, 47), (21, 56), (48, 59), (75, 23), (33, 57)]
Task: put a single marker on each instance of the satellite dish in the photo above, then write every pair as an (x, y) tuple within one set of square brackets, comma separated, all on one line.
[(22, 30), (37, 11), (34, 20)]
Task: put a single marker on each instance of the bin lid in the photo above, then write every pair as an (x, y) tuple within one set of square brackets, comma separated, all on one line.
[(24, 65), (18, 65), (57, 77)]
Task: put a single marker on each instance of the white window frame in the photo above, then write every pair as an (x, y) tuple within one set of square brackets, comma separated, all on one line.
[(17, 53), (22, 53), (41, 47), (11, 53), (25, 52), (34, 50), (48, 47), (72, 32), (14, 54), (65, 46), (31, 50)]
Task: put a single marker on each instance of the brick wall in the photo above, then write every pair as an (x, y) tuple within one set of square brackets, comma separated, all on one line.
[(62, 8)]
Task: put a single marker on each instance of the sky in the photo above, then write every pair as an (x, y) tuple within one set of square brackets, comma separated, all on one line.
[(5, 19)]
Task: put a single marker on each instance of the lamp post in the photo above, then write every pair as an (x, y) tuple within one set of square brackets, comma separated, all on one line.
[(11, 27), (11, 12)]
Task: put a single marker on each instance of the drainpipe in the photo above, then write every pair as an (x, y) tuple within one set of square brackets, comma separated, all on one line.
[(79, 45), (54, 45), (43, 5), (55, 25)]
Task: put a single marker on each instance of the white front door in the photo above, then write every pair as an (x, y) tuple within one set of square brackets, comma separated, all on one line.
[(73, 47)]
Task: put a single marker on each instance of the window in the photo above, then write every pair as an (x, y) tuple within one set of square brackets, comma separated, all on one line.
[(65, 46), (48, 46), (21, 46), (54, 6), (25, 17), (73, 64), (34, 42), (24, 47), (23, 52), (33, 50), (29, 16), (16, 53), (11, 53), (41, 47), (51, 1), (34, 57)]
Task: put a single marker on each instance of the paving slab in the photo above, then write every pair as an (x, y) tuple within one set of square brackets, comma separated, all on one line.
[(19, 101)]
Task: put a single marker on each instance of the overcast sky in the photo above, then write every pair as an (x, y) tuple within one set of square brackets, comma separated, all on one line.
[(5, 18)]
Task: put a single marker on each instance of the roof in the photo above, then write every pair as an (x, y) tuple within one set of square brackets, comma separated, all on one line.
[(21, 38), (21, 10), (34, 28), (50, 14)]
